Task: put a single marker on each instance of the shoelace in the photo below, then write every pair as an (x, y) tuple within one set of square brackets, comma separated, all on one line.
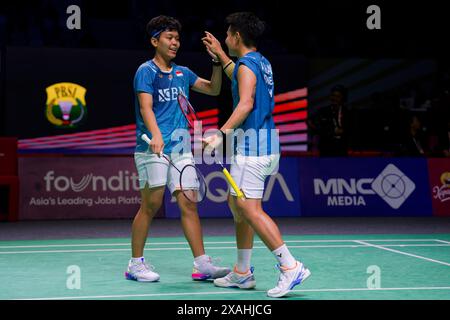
[(231, 276), (215, 261), (236, 276), (142, 267)]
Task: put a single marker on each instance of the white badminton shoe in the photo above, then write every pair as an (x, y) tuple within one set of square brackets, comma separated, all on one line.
[(208, 270), (288, 279), (141, 271), (236, 279)]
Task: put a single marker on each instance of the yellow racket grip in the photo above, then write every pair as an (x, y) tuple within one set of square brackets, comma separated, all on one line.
[(233, 184)]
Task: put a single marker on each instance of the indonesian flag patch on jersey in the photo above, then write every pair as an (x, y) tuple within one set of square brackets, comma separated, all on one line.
[(179, 73)]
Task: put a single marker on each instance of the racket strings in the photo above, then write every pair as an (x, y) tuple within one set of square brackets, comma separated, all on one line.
[(187, 110), (193, 184)]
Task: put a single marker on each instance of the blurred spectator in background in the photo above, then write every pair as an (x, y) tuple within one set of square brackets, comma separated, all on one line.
[(391, 115), (440, 116), (414, 142), (443, 147), (330, 124), (407, 97)]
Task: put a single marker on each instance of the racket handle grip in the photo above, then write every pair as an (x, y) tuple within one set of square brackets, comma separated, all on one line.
[(148, 140), (233, 184)]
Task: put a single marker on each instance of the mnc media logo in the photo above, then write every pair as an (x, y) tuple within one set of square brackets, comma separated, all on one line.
[(392, 185), (66, 104)]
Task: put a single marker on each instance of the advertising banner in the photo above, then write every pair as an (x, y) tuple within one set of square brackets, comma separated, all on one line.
[(364, 187), (107, 187), (281, 197), (439, 172), (78, 188)]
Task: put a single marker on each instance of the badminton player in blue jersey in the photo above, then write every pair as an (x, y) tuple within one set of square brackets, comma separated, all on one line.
[(257, 152), (156, 85)]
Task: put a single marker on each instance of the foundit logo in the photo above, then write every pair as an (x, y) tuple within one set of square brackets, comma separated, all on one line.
[(123, 181), (392, 185)]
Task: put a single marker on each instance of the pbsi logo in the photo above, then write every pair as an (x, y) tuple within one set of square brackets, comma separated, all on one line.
[(66, 104)]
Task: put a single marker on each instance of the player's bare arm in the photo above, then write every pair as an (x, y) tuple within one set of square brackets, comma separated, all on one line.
[(210, 87), (146, 109), (247, 87), (214, 47)]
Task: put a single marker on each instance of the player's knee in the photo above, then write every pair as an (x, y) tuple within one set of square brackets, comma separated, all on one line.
[(241, 206), (247, 212), (151, 207), (188, 209)]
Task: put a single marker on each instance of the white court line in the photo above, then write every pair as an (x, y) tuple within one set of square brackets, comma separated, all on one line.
[(215, 248), (442, 241), (206, 242), (107, 244), (240, 292), (404, 253)]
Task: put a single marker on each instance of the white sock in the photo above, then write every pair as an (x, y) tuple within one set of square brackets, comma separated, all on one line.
[(137, 260), (243, 261), (284, 257), (201, 259)]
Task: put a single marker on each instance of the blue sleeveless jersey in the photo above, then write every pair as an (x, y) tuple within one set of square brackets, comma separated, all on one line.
[(258, 136)]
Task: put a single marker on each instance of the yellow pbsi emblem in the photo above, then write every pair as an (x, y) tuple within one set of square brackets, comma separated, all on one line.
[(66, 105)]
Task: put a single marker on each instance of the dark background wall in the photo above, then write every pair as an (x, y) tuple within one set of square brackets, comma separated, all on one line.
[(313, 28), (108, 77), (308, 29)]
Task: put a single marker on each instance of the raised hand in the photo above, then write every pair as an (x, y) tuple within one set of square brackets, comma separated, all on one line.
[(213, 46)]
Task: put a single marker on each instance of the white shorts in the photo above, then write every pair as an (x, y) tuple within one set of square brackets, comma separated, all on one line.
[(249, 173), (156, 171)]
